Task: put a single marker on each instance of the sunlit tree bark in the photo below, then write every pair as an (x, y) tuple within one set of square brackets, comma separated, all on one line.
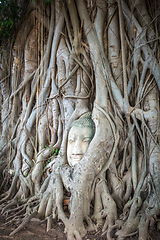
[(71, 58)]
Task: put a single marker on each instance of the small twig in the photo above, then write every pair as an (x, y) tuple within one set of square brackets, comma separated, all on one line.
[(143, 175), (23, 84), (111, 17), (3, 79), (152, 135), (137, 126), (125, 149), (12, 220), (15, 209), (83, 67), (51, 98), (68, 78), (16, 214), (48, 99)]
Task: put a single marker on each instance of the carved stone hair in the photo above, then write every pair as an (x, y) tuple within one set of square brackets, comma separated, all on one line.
[(84, 121)]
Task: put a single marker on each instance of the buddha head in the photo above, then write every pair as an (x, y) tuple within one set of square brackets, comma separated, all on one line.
[(80, 135)]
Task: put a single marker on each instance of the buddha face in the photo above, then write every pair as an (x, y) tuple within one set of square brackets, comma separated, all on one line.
[(78, 141)]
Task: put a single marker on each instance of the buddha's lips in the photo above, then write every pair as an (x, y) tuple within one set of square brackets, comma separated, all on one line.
[(77, 157)]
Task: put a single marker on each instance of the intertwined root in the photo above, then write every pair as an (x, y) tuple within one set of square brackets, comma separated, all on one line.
[(105, 207), (140, 213)]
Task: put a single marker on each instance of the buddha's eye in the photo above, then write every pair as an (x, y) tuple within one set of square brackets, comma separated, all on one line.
[(86, 140), (71, 140)]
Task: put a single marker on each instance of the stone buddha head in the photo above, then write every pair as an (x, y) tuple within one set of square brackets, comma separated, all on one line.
[(79, 137)]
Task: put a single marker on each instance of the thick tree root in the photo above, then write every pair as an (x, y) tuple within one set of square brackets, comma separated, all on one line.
[(143, 211), (49, 223), (105, 206)]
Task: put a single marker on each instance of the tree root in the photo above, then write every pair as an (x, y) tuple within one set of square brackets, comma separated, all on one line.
[(9, 204), (23, 224), (12, 190), (106, 203), (90, 226), (49, 223), (109, 231), (131, 224), (17, 213), (144, 208)]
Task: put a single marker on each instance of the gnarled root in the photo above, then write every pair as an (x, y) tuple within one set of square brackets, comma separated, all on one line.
[(34, 209), (72, 232), (143, 228), (47, 205), (23, 224), (143, 211), (12, 190), (105, 206), (132, 222)]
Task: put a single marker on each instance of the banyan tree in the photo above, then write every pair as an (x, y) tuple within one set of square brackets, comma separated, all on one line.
[(79, 112)]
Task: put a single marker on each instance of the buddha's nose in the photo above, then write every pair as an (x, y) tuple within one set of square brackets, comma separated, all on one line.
[(77, 149)]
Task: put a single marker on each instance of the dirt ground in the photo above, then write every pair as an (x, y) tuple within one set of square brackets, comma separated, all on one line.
[(36, 230)]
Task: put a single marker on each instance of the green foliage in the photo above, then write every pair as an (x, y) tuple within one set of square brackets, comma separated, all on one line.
[(9, 16), (48, 1), (54, 151)]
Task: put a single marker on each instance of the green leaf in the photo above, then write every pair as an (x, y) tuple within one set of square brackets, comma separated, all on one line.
[(56, 151), (11, 23), (9, 16)]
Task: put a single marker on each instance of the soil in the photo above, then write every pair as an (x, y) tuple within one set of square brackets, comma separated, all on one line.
[(36, 230)]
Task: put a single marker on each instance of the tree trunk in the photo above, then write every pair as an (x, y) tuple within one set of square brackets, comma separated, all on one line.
[(78, 68)]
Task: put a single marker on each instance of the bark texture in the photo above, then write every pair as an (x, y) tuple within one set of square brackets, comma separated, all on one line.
[(71, 58)]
